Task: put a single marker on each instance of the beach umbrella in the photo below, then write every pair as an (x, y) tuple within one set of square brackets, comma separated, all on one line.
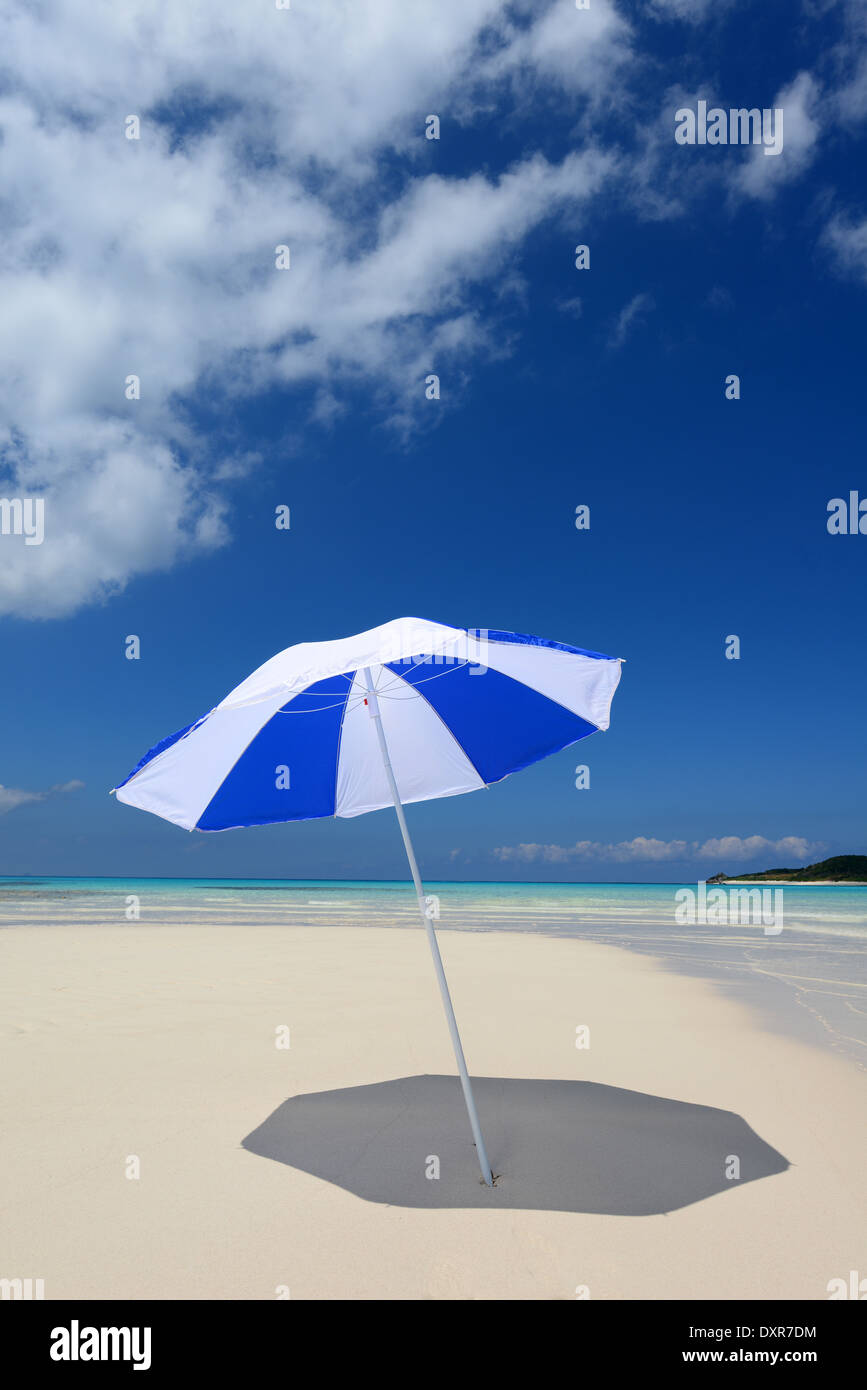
[(406, 712)]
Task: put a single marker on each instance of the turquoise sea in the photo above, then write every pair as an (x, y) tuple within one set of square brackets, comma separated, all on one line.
[(809, 979), (561, 907)]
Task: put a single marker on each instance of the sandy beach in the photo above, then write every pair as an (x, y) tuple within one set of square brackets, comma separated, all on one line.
[(800, 883), (267, 1169)]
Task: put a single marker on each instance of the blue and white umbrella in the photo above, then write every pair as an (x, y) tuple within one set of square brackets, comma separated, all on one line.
[(405, 712)]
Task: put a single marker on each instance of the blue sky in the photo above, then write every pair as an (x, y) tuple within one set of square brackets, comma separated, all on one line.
[(559, 387)]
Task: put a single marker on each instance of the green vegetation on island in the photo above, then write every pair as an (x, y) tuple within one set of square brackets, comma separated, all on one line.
[(841, 868)]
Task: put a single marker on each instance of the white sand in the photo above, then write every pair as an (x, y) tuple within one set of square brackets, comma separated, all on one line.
[(797, 883), (159, 1042)]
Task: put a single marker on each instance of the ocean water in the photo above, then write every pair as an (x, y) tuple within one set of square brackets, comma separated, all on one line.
[(808, 979)]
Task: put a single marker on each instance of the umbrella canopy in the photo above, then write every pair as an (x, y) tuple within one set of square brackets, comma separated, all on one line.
[(405, 712), (460, 710)]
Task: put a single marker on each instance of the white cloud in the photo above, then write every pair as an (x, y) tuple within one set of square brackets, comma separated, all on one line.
[(117, 504), (692, 10), (630, 316), (645, 849), (720, 298), (641, 848), (13, 797), (666, 179), (851, 99), (754, 846), (155, 257), (850, 60), (581, 49), (848, 243), (762, 175), (574, 306)]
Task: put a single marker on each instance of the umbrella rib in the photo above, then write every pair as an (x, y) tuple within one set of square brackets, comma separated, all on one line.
[(424, 680), (321, 710)]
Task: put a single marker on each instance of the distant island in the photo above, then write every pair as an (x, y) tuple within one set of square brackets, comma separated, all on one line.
[(842, 868)]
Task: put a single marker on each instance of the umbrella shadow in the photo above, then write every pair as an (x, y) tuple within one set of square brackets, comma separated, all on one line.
[(554, 1145)]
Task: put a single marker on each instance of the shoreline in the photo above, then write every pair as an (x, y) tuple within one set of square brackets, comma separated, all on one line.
[(808, 981), (799, 883)]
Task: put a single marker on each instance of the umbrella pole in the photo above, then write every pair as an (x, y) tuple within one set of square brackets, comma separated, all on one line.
[(373, 706)]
